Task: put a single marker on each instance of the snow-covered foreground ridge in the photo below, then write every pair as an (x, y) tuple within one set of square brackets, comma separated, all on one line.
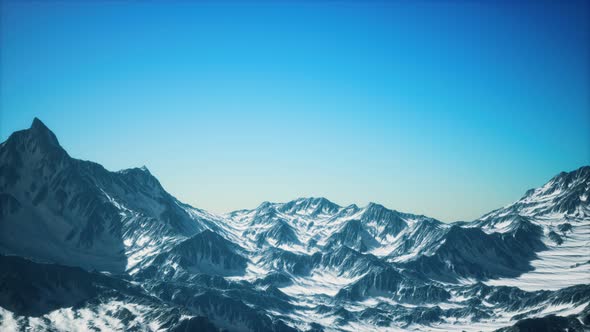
[(83, 248)]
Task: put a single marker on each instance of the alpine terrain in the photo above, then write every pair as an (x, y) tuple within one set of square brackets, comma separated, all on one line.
[(83, 248)]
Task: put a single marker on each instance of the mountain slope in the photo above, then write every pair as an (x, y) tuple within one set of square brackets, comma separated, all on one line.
[(52, 297), (77, 213), (560, 208)]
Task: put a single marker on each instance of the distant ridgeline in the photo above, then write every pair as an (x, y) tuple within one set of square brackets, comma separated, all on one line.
[(84, 248)]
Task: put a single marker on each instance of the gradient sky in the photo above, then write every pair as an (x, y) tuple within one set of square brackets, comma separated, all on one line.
[(449, 109)]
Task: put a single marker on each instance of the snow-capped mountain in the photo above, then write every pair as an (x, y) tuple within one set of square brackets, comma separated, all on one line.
[(75, 212), (86, 248)]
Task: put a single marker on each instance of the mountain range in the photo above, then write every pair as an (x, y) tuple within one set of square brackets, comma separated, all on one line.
[(83, 248)]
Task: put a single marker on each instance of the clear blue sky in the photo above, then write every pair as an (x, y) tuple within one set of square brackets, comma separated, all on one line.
[(449, 109)]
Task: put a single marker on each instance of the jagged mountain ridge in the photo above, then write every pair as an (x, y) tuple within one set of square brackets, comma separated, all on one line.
[(308, 263), (82, 211)]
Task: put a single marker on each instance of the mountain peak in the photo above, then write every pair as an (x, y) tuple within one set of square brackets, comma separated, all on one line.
[(316, 203), (38, 124), (373, 205), (39, 130), (314, 200), (37, 138), (563, 182), (136, 170), (145, 169), (141, 175), (566, 193), (309, 205)]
